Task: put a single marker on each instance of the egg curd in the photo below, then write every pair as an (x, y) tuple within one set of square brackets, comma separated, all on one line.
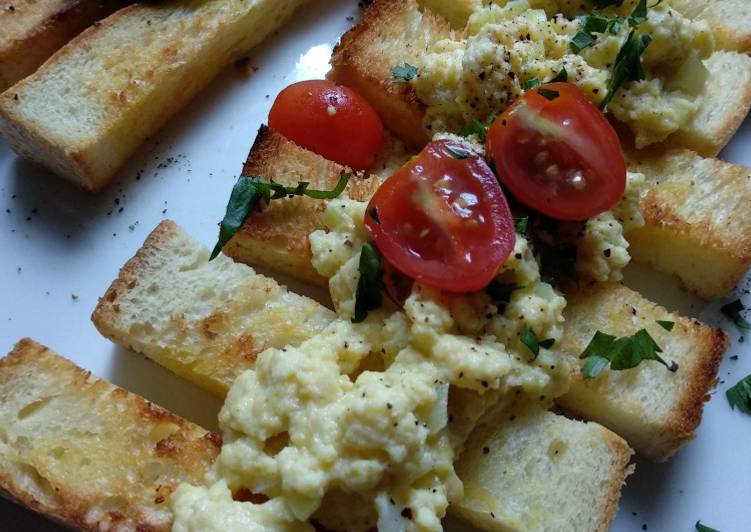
[(480, 71), (359, 426)]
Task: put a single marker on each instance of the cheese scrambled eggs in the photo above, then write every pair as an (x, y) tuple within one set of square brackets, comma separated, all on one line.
[(371, 416), (480, 71)]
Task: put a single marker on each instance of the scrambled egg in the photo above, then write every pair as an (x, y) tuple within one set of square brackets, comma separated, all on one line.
[(602, 250), (371, 416), (479, 73)]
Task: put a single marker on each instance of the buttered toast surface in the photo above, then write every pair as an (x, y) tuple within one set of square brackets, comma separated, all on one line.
[(196, 199)]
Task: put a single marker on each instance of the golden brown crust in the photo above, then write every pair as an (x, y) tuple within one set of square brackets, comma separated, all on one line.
[(697, 224), (107, 309), (385, 37), (276, 237), (33, 479), (725, 105), (703, 378), (124, 101), (621, 468), (35, 30), (656, 411)]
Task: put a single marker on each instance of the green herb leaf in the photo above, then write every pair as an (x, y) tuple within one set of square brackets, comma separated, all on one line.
[(249, 191), (531, 84), (458, 154), (739, 396), (548, 343), (368, 293), (704, 528), (732, 311), (665, 324), (594, 366), (561, 76), (622, 353), (535, 82), (475, 128), (639, 14), (529, 338), (581, 40), (404, 73), (628, 65), (244, 197), (521, 224), (548, 94)]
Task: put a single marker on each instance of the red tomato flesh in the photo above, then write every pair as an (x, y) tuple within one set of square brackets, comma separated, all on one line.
[(330, 120), (443, 220), (558, 154)]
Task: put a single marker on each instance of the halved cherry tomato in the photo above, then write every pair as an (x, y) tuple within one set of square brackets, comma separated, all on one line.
[(330, 120), (442, 219), (557, 153)]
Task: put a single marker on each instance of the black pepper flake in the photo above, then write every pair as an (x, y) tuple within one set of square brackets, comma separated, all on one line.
[(486, 450), (734, 357), (607, 252), (389, 406), (407, 513)]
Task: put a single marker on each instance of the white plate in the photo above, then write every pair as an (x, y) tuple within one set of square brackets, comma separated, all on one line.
[(60, 248)]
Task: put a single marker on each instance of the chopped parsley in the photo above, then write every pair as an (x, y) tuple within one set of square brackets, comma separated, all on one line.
[(561, 76), (704, 528), (249, 191), (475, 128), (529, 338), (621, 353), (531, 84), (368, 293), (732, 311), (739, 396), (404, 73), (548, 94), (628, 65), (581, 40), (666, 324), (535, 82)]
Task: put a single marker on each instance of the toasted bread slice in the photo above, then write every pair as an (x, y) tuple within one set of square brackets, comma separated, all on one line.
[(274, 239), (697, 220), (95, 457), (89, 454), (655, 410), (132, 303), (89, 107), (364, 58), (730, 20), (31, 31), (390, 33), (701, 345), (206, 321), (697, 225), (725, 106), (542, 472)]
